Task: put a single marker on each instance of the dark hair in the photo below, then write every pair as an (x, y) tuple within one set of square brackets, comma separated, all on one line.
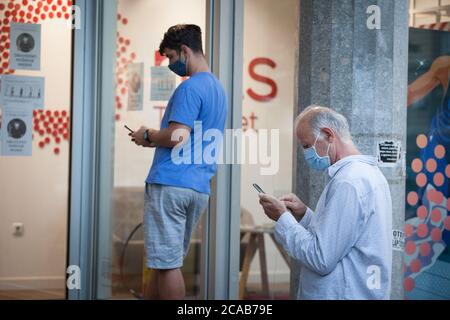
[(188, 34)]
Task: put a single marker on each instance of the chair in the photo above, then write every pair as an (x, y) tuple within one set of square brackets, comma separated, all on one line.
[(254, 236)]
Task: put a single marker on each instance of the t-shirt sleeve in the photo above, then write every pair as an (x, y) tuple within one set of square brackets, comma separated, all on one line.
[(186, 105)]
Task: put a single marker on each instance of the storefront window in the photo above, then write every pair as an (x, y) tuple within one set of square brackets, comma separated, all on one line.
[(143, 87), (270, 41), (427, 228), (35, 117)]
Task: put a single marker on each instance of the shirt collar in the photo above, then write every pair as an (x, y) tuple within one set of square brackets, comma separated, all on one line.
[(332, 170)]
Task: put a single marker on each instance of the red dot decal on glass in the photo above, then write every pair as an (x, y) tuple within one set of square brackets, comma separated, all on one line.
[(425, 249), (436, 234), (422, 212), (409, 230), (438, 179), (439, 152), (422, 230), (409, 284), (421, 179), (435, 196), (447, 171), (412, 198), (416, 265), (431, 165), (421, 141), (436, 215), (447, 223), (410, 247)]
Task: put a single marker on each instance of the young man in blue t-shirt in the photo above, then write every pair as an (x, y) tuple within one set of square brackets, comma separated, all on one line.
[(177, 192)]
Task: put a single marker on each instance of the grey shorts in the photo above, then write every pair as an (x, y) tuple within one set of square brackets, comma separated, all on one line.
[(171, 214)]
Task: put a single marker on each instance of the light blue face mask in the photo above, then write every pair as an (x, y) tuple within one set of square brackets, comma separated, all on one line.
[(179, 67), (315, 161)]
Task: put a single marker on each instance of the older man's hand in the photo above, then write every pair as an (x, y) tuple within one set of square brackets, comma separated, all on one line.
[(295, 205), (273, 207)]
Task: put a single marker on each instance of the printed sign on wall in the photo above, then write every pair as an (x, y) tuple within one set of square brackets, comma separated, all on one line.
[(16, 131), (163, 83), (25, 47), (22, 91), (389, 153), (135, 84)]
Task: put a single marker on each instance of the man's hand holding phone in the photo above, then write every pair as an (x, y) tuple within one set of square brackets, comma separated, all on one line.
[(138, 137), (273, 207)]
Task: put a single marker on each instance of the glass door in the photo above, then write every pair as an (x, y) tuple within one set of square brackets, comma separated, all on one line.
[(267, 121), (142, 85)]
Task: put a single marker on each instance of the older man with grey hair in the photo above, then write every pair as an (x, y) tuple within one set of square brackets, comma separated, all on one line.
[(344, 246)]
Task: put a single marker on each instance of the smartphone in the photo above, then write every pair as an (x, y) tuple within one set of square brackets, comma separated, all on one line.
[(129, 129), (258, 188)]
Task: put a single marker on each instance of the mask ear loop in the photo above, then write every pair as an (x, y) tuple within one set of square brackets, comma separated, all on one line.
[(317, 138), (187, 65), (328, 149)]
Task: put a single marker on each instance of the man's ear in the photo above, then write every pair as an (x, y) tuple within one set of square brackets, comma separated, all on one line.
[(184, 49), (328, 134)]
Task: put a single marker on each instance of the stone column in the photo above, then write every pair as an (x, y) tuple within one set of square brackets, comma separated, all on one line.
[(362, 73)]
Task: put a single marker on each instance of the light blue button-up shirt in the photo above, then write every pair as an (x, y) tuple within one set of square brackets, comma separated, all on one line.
[(344, 248)]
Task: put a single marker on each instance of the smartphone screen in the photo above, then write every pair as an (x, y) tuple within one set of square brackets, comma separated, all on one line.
[(258, 188), (129, 129)]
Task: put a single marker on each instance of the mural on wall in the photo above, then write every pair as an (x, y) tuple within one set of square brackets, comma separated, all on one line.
[(427, 228), (49, 125)]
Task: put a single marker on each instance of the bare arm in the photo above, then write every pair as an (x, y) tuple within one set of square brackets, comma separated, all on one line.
[(168, 137), (437, 75), (171, 136)]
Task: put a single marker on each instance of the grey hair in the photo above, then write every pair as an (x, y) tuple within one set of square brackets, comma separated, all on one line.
[(323, 117)]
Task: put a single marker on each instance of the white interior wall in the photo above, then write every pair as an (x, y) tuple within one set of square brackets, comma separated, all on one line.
[(34, 190), (270, 31)]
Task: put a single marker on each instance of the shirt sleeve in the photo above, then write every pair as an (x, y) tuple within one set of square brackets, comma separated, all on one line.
[(306, 218), (331, 237), (186, 105)]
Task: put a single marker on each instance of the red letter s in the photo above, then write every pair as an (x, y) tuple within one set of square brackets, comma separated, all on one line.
[(262, 79)]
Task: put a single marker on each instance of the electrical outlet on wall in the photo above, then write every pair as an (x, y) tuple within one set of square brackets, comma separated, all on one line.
[(18, 228)]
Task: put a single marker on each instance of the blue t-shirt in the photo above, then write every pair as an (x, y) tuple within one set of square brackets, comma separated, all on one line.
[(200, 98)]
